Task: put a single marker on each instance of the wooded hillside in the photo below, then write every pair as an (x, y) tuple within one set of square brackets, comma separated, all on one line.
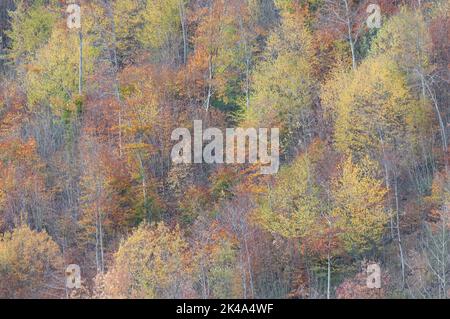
[(86, 175)]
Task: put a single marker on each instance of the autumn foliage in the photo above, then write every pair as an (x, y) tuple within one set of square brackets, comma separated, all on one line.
[(86, 175)]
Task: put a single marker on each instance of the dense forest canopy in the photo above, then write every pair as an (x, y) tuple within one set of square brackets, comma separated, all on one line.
[(86, 175)]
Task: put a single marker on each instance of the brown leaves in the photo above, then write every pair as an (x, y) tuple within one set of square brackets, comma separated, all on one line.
[(356, 287)]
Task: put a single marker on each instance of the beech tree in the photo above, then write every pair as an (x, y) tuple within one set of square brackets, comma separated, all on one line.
[(30, 265), (31, 28), (283, 98), (53, 76), (359, 206), (154, 262)]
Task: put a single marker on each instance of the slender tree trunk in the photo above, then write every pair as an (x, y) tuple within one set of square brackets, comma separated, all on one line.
[(97, 239), (116, 70), (387, 178), (439, 116), (249, 267), (80, 79), (244, 278), (247, 83), (349, 30), (328, 275), (399, 238), (144, 185), (102, 262), (184, 30), (204, 282), (210, 77), (247, 64), (444, 252)]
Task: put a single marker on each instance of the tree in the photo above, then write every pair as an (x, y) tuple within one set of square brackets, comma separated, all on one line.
[(217, 274), (141, 140), (106, 200), (344, 14), (30, 265), (152, 25), (24, 197), (436, 241), (164, 26), (31, 28), (53, 75), (283, 83), (376, 113), (359, 206), (405, 39), (221, 52), (154, 262), (300, 207), (293, 205)]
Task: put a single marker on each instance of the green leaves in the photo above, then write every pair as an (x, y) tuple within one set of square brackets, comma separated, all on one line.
[(31, 28)]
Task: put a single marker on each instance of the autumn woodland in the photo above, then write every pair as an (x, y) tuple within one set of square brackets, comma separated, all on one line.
[(359, 90)]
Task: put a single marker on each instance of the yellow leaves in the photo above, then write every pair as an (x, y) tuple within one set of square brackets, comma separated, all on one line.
[(135, 147), (31, 28), (140, 115), (331, 90), (405, 39), (55, 70), (152, 263), (374, 109), (283, 83), (292, 205), (282, 90), (292, 36), (161, 22), (359, 206), (221, 49), (349, 207), (127, 15), (141, 101), (28, 260), (216, 254)]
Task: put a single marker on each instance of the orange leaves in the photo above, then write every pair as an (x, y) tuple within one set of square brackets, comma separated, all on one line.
[(12, 108), (22, 182), (356, 287), (195, 202), (141, 102), (438, 203), (106, 188), (17, 151), (194, 75), (221, 47)]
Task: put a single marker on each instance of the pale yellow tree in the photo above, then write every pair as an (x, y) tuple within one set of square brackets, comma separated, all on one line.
[(359, 205), (154, 262), (30, 265), (283, 84)]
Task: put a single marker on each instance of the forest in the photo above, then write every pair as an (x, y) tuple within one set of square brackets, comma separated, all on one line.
[(358, 89)]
